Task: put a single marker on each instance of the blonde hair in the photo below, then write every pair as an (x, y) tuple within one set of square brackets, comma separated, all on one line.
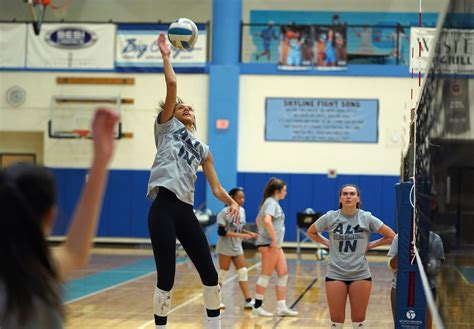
[(179, 101)]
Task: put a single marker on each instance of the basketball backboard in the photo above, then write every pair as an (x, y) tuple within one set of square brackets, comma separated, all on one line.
[(71, 116)]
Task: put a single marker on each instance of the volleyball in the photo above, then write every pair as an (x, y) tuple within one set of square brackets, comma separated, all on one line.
[(183, 33), (321, 254)]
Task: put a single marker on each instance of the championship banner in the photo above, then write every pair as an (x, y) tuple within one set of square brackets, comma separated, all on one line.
[(72, 46), (137, 48), (304, 47), (295, 51), (455, 52), (331, 47), (13, 45), (321, 120)]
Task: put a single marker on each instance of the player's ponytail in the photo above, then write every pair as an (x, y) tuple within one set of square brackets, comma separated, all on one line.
[(273, 185)]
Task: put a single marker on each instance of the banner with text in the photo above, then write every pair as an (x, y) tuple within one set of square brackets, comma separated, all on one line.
[(72, 46), (454, 50), (137, 48), (321, 120), (13, 45)]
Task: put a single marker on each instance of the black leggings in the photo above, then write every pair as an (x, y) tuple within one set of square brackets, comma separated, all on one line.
[(170, 218)]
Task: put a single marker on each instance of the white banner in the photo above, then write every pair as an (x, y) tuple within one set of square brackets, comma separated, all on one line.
[(12, 45), (72, 46), (139, 49), (454, 51)]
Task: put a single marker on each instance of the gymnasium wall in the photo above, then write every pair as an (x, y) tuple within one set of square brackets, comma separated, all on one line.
[(304, 166), (135, 153), (338, 6)]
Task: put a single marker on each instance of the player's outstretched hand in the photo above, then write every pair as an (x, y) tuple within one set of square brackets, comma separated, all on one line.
[(165, 48), (103, 133), (233, 211)]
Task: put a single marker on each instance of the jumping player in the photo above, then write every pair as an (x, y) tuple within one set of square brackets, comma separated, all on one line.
[(171, 188)]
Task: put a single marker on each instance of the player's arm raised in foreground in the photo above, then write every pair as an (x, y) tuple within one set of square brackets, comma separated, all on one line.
[(74, 253)]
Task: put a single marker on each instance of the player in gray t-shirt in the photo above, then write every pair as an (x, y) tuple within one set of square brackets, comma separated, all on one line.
[(229, 245), (171, 188), (348, 271), (436, 257), (271, 230)]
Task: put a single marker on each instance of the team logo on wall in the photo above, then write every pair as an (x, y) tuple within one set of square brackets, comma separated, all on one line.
[(71, 37)]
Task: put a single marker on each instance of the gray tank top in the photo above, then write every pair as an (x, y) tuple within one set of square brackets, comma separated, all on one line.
[(348, 240), (178, 156), (230, 246), (270, 207), (43, 317)]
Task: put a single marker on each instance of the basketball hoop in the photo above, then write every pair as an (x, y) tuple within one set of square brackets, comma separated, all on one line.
[(37, 10), (82, 133)]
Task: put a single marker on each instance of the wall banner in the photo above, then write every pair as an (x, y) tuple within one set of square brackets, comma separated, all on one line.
[(72, 46), (454, 53), (12, 45), (321, 120), (137, 48)]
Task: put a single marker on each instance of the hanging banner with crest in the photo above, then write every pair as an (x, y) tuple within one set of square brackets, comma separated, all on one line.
[(72, 47)]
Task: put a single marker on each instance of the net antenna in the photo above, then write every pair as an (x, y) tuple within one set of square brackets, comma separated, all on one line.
[(37, 10)]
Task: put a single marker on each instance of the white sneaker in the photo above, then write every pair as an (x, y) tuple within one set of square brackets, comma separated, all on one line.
[(250, 304), (222, 306), (286, 312), (261, 312)]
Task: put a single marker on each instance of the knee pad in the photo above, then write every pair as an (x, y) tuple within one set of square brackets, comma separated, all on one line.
[(335, 325), (358, 325), (263, 280), (282, 280), (161, 302), (222, 276), (243, 274), (211, 296)]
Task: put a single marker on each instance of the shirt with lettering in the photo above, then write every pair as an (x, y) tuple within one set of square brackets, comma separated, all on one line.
[(178, 156), (230, 246), (348, 240)]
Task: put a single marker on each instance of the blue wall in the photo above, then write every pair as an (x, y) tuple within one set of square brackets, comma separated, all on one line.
[(125, 208)]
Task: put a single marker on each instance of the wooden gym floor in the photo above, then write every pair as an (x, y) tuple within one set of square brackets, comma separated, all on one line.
[(116, 289)]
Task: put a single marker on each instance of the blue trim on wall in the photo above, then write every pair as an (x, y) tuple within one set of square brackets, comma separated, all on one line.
[(320, 193), (368, 70), (125, 208)]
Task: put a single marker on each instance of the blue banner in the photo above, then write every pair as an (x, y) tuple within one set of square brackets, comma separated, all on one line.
[(137, 48), (321, 120)]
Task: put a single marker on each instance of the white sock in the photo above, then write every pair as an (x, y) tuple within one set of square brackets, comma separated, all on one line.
[(213, 323), (161, 326), (335, 325), (358, 325), (281, 304)]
